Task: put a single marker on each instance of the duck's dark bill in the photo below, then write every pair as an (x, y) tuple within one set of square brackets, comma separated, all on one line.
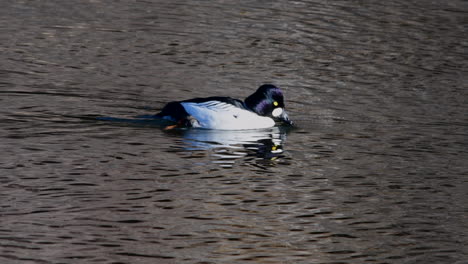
[(284, 118)]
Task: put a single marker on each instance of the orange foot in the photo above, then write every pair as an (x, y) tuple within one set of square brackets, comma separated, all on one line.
[(171, 127)]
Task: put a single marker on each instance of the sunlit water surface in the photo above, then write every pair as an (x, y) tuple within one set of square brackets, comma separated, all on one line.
[(375, 172)]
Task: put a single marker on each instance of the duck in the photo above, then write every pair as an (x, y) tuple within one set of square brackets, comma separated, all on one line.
[(262, 109)]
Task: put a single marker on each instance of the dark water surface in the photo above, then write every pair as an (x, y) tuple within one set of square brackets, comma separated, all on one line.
[(376, 171)]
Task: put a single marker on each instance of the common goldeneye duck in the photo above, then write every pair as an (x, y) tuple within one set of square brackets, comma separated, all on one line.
[(260, 110)]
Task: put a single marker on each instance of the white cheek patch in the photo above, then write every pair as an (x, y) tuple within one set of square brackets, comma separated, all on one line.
[(277, 112)]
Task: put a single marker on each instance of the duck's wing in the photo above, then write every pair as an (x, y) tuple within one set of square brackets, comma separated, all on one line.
[(176, 111), (220, 99)]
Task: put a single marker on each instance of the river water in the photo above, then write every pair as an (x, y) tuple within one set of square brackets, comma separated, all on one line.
[(375, 171)]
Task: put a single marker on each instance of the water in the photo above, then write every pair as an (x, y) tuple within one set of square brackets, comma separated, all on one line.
[(375, 172)]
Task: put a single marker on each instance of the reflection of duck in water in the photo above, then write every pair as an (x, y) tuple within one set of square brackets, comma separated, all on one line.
[(227, 146), (260, 110)]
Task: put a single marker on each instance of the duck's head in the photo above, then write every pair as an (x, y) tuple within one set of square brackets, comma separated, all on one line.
[(268, 101)]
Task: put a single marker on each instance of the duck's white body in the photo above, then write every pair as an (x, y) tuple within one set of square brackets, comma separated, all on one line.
[(224, 116)]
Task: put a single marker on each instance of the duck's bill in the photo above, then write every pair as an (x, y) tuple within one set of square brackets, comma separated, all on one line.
[(285, 118)]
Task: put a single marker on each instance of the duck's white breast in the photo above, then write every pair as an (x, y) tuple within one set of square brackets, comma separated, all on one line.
[(224, 116)]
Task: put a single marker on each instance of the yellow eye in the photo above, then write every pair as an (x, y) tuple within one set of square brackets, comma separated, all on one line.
[(273, 148), (275, 103)]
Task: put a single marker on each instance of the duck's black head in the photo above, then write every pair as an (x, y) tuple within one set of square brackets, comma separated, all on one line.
[(268, 101)]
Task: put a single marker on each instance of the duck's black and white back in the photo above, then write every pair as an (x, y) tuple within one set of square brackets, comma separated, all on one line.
[(260, 110)]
